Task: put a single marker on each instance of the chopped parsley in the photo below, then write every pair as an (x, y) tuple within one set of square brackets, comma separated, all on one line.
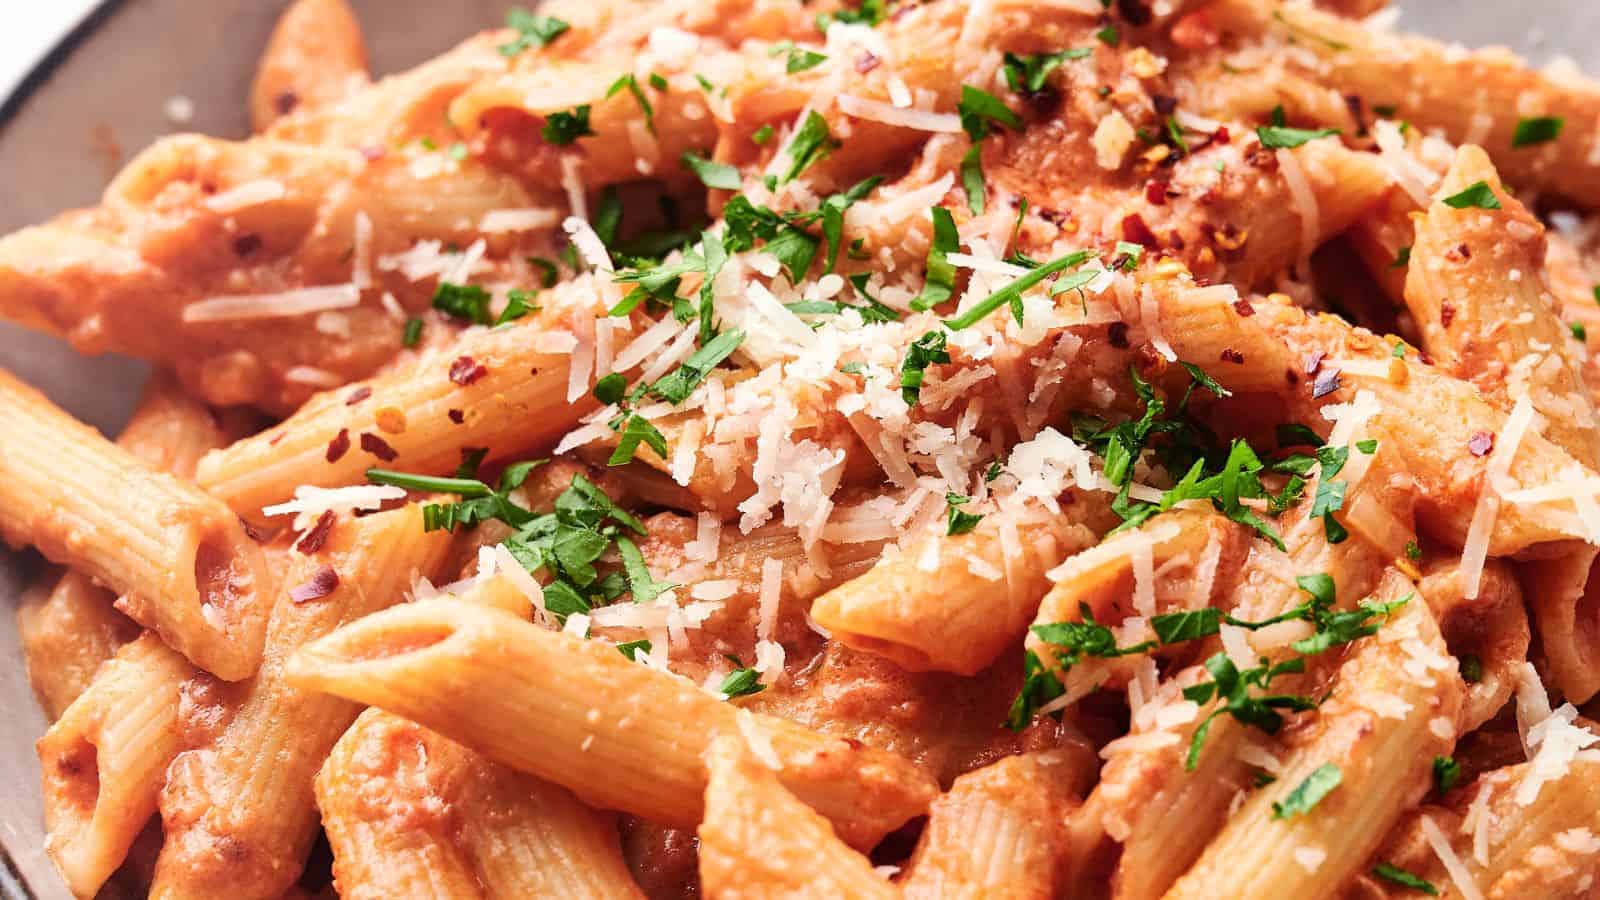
[(412, 333), (923, 352), (762, 135), (939, 283), (637, 430), (532, 31), (1537, 130), (741, 682), (632, 649), (562, 128), (1307, 794), (1028, 74), (676, 386), (629, 82), (800, 59), (462, 301), (1402, 258), (1446, 773), (1396, 875), (1279, 137), (958, 521), (518, 304), (1011, 294), (870, 13), (1478, 195), (809, 144), (1579, 332), (1231, 688), (980, 109), (712, 174)]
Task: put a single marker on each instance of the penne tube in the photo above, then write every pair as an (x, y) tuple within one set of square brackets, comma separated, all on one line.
[(248, 783), (1479, 290), (1421, 80), (68, 624), (388, 840), (999, 832), (1310, 829), (1499, 846), (514, 401), (758, 840), (1424, 420), (180, 560), (104, 759), (423, 660), (949, 617), (315, 57)]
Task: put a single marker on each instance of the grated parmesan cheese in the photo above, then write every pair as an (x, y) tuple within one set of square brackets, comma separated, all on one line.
[(297, 302)]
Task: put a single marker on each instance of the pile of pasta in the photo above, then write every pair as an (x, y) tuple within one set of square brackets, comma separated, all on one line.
[(760, 449)]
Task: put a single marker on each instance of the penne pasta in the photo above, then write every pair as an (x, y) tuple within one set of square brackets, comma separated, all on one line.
[(182, 563), (759, 840), (865, 793), (104, 760), (247, 783), (315, 57)]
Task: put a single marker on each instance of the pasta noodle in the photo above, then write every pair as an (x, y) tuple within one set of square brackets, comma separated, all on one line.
[(849, 448)]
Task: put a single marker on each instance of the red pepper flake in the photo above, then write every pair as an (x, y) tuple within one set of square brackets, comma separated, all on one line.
[(253, 532), (378, 447), (456, 416), (374, 152), (866, 62), (246, 244), (358, 395), (465, 370), (1447, 314), (1481, 443), (1136, 231), (322, 583), (1327, 382), (1221, 135), (280, 435), (1155, 193), (312, 540), (1118, 335), (339, 446), (285, 102), (1231, 355), (1313, 361), (1243, 308)]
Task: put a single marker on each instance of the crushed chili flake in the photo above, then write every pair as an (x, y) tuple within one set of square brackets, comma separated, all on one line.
[(1136, 231), (1243, 308), (1327, 382), (339, 446), (465, 370), (1313, 361), (1118, 335), (252, 531), (246, 244), (285, 102), (456, 416), (1481, 443), (1231, 355), (317, 535), (866, 62), (373, 152), (378, 447), (1447, 314), (358, 395), (323, 582), (1221, 135), (1155, 193)]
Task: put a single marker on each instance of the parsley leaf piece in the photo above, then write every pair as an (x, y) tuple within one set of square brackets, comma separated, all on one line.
[(677, 385), (1206, 381), (518, 304), (1402, 258), (640, 583), (1027, 74), (809, 144), (1039, 686), (972, 180), (801, 59), (716, 257), (1396, 875), (1278, 137), (712, 174), (1292, 434), (562, 128), (1446, 773), (740, 683), (958, 521), (532, 31), (795, 248), (631, 83), (1307, 794), (412, 334), (1478, 195), (632, 649), (1085, 638), (1537, 130), (611, 388), (463, 301), (637, 430), (761, 135), (1015, 290), (462, 487), (940, 281), (923, 352), (1174, 628)]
